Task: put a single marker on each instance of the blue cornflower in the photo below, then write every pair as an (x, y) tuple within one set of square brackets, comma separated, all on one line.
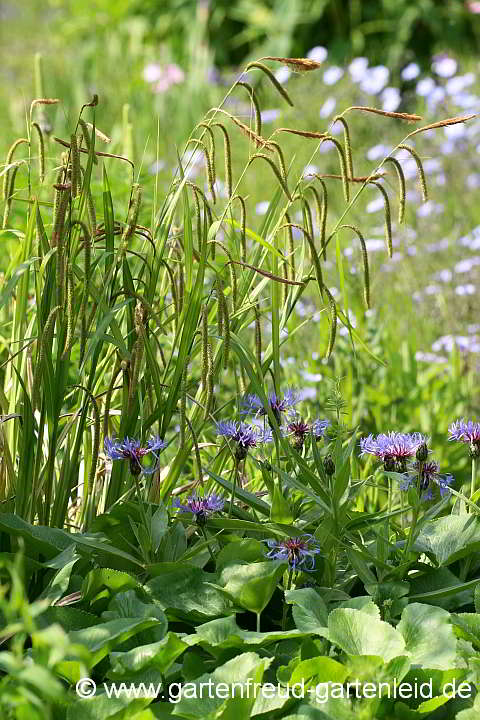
[(467, 432), (297, 551), (253, 404), (393, 448), (200, 507), (298, 429), (319, 428), (429, 477), (244, 435), (130, 449)]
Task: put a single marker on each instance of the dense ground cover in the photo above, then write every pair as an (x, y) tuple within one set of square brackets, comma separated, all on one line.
[(197, 377)]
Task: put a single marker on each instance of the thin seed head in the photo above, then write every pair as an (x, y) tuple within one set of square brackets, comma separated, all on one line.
[(388, 218), (401, 188), (421, 172), (276, 171), (280, 89), (347, 143), (366, 273), (256, 106)]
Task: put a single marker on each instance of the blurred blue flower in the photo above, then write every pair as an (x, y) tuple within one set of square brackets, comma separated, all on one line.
[(297, 551), (393, 448), (244, 435), (252, 404), (200, 507), (430, 477), (130, 449), (466, 431)]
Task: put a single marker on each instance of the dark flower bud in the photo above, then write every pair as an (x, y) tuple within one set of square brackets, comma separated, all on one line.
[(422, 453), (201, 518), (475, 449), (135, 467), (389, 464), (329, 465), (240, 453)]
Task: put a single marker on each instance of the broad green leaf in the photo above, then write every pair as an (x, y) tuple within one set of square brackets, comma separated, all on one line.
[(160, 655), (252, 586), (319, 670), (224, 633), (450, 538), (429, 636), (236, 697), (113, 580), (469, 624), (309, 610), (243, 551), (357, 633), (185, 591), (101, 639), (128, 605)]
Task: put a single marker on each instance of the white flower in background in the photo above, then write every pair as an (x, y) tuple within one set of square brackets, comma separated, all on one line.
[(448, 147), (410, 71), (432, 165), (375, 244), (317, 53), (444, 66), (309, 170), (425, 86), (429, 357), (430, 208), (473, 181), (269, 116), (375, 79), (391, 99), (454, 132), (262, 207), (375, 205), (357, 68), (378, 152), (152, 72), (466, 265), (171, 74), (282, 74), (468, 101), (156, 167), (459, 83), (467, 289), (444, 275), (332, 75), (328, 107), (436, 96)]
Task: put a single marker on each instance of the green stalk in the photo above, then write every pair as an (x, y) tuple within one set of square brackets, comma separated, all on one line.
[(235, 480), (474, 474), (285, 606), (204, 532), (416, 510)]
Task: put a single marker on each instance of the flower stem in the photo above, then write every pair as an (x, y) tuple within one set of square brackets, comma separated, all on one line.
[(285, 606), (235, 480), (473, 480), (204, 533), (258, 622), (416, 510)]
